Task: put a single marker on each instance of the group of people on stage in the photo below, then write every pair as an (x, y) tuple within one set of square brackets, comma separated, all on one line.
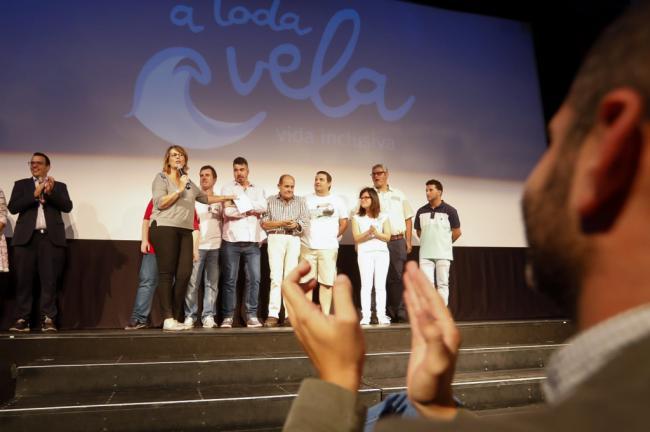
[(190, 235)]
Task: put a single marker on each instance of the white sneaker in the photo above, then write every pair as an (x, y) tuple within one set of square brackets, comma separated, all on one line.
[(226, 323), (189, 323), (208, 322), (253, 322), (170, 324), (384, 321), (364, 321)]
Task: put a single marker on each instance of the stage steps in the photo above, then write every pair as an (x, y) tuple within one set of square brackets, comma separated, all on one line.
[(241, 379)]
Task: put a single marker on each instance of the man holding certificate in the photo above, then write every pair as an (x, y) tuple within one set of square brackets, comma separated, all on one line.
[(242, 236)]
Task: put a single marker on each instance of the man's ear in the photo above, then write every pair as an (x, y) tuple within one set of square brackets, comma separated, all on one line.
[(615, 162)]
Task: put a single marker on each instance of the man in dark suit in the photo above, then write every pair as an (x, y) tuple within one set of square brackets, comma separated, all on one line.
[(39, 240), (586, 208)]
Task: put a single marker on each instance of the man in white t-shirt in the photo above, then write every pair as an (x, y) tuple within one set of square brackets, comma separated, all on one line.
[(206, 263), (320, 243)]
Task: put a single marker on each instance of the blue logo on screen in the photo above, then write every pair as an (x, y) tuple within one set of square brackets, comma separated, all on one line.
[(162, 100)]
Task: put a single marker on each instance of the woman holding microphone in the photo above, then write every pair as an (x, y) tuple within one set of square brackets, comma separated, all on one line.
[(170, 232)]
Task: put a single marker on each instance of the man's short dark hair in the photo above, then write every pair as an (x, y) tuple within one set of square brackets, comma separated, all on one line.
[(435, 183), (620, 58), (326, 174), (240, 161), (43, 155), (211, 168)]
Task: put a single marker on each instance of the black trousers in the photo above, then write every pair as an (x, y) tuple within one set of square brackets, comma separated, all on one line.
[(394, 284), (38, 258), (173, 248)]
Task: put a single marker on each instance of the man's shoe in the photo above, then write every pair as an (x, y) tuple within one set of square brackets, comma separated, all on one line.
[(226, 323), (208, 322), (189, 323), (287, 322), (253, 322), (383, 321), (271, 322), (170, 324), (136, 325), (48, 325), (20, 325), (364, 322)]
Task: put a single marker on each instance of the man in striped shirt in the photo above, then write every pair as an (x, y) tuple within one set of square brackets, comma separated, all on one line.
[(285, 221)]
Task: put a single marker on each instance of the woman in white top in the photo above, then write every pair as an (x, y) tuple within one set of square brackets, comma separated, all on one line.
[(371, 232)]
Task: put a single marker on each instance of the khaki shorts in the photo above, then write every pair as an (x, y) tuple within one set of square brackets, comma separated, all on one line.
[(322, 261)]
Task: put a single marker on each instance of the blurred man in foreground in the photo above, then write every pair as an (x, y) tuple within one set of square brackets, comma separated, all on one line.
[(586, 207)]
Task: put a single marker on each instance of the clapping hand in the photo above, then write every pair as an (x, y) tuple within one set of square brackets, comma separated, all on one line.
[(49, 184), (334, 343), (39, 189), (435, 341)]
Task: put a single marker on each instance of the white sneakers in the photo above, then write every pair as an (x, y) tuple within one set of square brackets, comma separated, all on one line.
[(226, 323), (170, 324), (188, 323), (383, 321), (253, 322), (208, 322)]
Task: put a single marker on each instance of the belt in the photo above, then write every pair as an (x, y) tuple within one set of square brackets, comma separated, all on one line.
[(40, 231), (397, 237), (282, 231)]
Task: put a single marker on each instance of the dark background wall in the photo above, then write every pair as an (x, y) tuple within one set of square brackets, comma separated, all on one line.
[(101, 277)]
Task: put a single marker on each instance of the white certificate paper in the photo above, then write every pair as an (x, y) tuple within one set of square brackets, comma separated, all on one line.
[(243, 203)]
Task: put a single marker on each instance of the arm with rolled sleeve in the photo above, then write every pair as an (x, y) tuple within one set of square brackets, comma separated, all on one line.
[(303, 216)]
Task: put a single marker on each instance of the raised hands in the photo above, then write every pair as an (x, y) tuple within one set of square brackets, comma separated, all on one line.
[(334, 343), (435, 341)]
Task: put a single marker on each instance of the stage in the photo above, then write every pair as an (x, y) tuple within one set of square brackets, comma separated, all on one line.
[(240, 379)]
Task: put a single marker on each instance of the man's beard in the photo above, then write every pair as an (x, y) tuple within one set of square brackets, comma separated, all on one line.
[(556, 253)]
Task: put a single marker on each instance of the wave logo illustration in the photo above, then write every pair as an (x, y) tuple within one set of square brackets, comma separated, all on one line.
[(162, 102)]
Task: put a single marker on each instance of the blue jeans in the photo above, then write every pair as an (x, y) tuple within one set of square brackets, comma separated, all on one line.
[(208, 261), (146, 288), (394, 404), (230, 255)]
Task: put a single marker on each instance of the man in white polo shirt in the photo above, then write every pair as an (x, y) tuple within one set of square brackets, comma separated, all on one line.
[(395, 205), (320, 244), (437, 226)]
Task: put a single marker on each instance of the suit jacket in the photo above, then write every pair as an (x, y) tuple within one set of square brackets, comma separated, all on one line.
[(616, 398), (22, 201)]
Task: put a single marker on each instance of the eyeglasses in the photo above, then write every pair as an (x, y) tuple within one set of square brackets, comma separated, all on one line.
[(365, 197), (30, 163), (377, 173)]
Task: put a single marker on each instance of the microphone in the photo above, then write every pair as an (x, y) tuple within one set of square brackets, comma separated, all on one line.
[(181, 173)]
